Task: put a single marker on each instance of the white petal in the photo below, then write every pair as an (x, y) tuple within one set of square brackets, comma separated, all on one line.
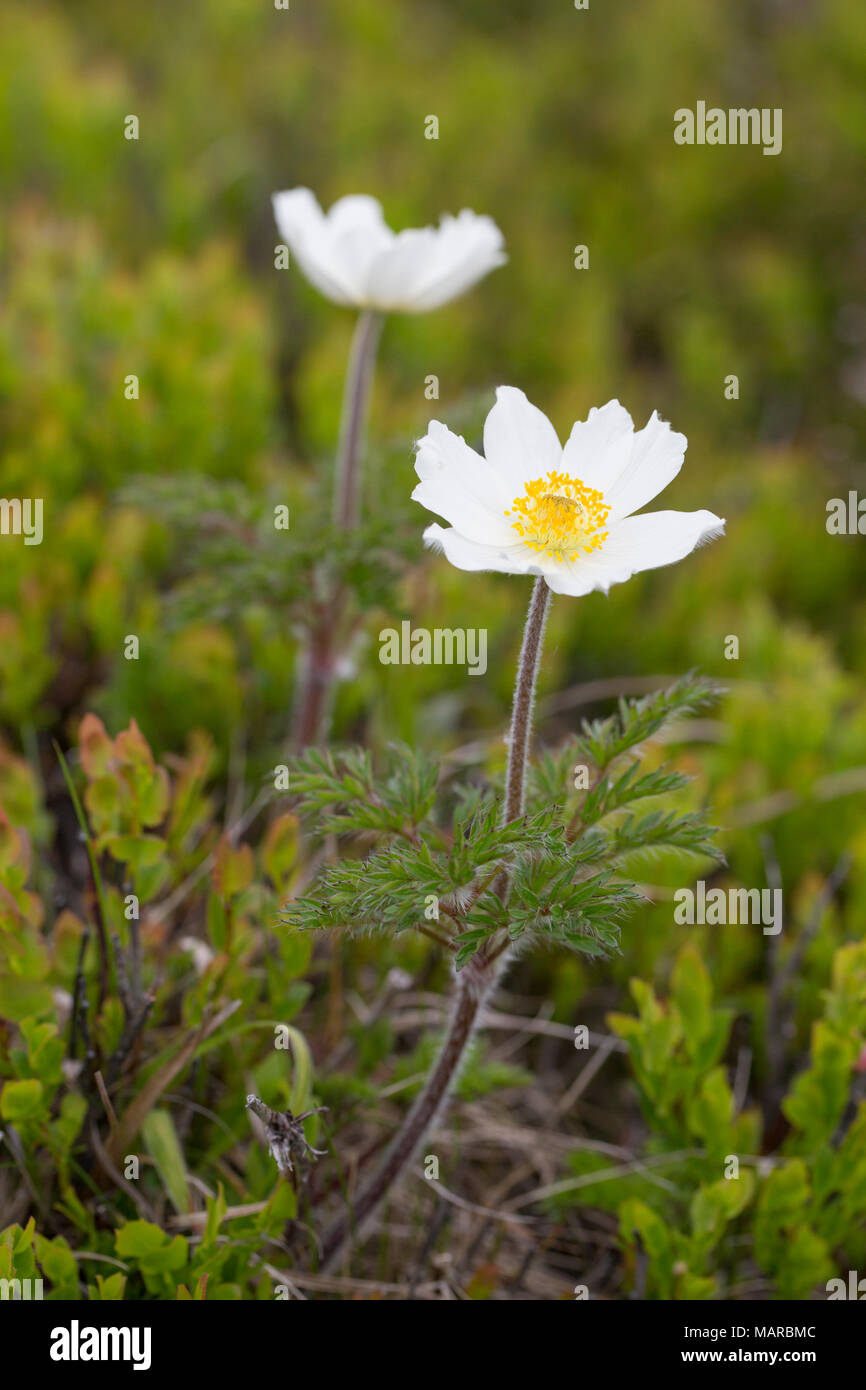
[(353, 257), (629, 468), (358, 212), (636, 543), (356, 236), (461, 486), (656, 459), (519, 440), (599, 448), (392, 281), (576, 579), (302, 225), (467, 248), (465, 554), (298, 214)]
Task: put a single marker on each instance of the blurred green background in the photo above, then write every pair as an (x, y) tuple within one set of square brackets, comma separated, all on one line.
[(156, 257)]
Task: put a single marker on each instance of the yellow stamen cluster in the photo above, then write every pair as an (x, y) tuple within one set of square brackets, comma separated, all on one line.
[(561, 517)]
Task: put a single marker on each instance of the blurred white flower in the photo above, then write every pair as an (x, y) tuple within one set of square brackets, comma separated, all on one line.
[(353, 257), (201, 953), (534, 507)]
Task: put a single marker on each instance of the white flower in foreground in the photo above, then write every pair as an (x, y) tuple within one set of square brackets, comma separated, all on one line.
[(534, 507), (353, 257)]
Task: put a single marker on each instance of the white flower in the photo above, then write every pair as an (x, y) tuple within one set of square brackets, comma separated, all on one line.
[(353, 257), (534, 507)]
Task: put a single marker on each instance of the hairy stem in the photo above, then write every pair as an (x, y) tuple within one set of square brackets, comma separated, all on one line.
[(524, 699), (467, 1005), (318, 666), (475, 981), (316, 678), (356, 399)]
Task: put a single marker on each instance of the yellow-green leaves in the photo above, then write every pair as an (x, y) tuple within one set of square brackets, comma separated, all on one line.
[(158, 1256), (161, 1142), (786, 1245), (21, 1102)]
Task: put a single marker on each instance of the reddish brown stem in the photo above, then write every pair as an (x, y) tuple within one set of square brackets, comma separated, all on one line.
[(317, 677), (476, 979), (475, 983)]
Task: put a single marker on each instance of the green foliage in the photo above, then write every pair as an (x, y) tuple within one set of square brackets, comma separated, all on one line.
[(156, 258), (723, 1210), (132, 1027), (548, 876), (603, 741), (678, 1259), (675, 1052)]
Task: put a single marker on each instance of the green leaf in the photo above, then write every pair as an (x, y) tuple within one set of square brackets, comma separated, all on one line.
[(639, 1220), (20, 997), (216, 1209), (692, 993), (710, 1114), (715, 1205), (302, 1078), (217, 921), (232, 869), (45, 1050), (162, 1144), (282, 1206), (67, 1126), (138, 851), (108, 1288), (819, 1095), (59, 1265), (786, 1246), (138, 1239), (280, 849), (21, 1101)]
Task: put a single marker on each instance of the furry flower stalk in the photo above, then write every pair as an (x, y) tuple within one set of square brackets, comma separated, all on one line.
[(570, 524), (477, 978), (354, 258)]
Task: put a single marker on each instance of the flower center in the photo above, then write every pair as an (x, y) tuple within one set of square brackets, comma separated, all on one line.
[(560, 516)]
